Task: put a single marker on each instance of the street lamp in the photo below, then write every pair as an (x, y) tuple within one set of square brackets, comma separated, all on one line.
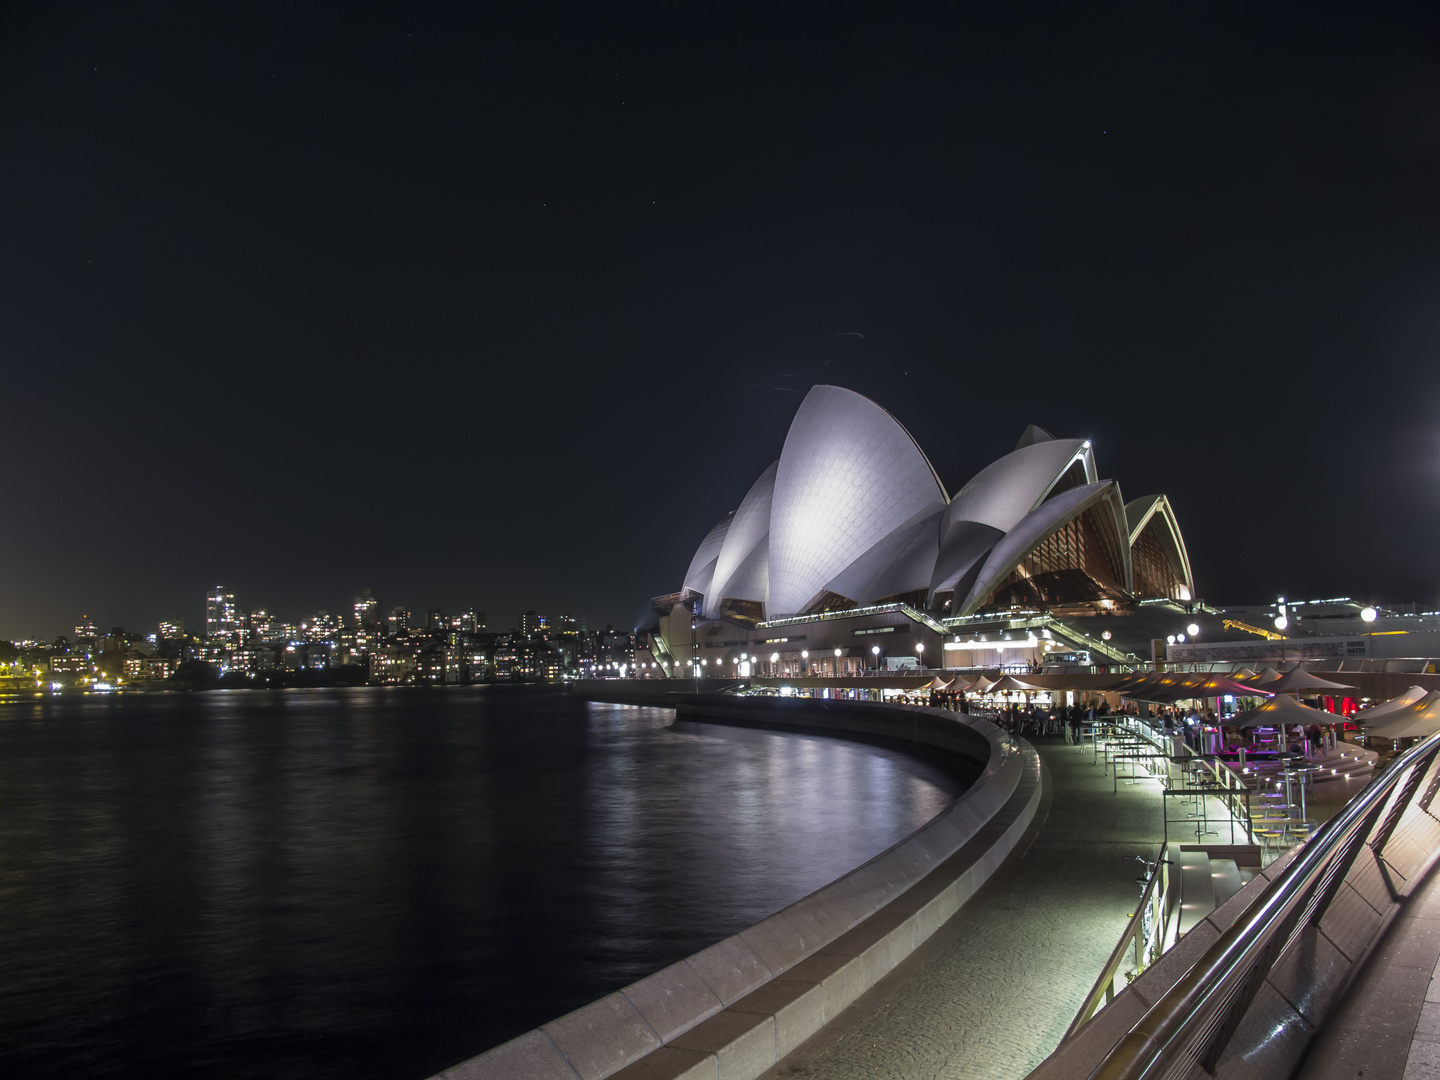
[(1193, 629), (774, 659), (837, 663), (1368, 614), (805, 655), (920, 648), (875, 651)]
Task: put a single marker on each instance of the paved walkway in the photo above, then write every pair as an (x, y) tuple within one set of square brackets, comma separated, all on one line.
[(1387, 1027), (991, 994)]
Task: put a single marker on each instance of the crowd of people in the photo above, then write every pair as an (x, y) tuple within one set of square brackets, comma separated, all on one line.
[(1198, 729)]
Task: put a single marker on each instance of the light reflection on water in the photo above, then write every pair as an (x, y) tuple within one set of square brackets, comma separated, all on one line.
[(380, 883)]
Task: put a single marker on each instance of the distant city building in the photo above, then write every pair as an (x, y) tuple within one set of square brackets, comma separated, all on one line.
[(261, 624), (149, 668), (398, 622), (322, 626), (172, 630), (85, 629), (367, 611), (220, 612)]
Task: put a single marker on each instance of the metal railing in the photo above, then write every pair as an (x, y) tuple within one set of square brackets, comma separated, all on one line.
[(1193, 1023), (854, 613), (1098, 645), (1146, 936)]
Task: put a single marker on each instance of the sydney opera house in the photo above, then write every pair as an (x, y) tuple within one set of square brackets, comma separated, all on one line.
[(850, 540)]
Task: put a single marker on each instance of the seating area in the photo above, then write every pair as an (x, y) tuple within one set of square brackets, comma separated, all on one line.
[(1272, 799)]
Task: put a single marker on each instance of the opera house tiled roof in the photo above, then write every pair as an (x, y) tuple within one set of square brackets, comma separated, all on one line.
[(853, 514)]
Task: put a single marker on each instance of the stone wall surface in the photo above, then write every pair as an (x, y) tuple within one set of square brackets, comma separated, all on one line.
[(733, 1010)]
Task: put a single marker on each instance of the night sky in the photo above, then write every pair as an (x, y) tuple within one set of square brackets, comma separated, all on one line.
[(506, 305)]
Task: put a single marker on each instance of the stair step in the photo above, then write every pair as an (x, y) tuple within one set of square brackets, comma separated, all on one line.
[(1225, 879), (1197, 889)]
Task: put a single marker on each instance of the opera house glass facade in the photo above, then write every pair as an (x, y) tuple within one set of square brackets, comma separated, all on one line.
[(853, 518)]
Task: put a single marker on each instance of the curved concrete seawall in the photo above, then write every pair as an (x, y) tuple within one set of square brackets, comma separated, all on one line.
[(731, 1011)]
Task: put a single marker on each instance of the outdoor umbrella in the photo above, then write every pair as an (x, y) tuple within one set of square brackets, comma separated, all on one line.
[(938, 683), (1421, 718), (982, 685), (1281, 711), (1389, 708), (1124, 682), (1157, 686), (1265, 678), (1213, 686), (1009, 684), (1299, 679)]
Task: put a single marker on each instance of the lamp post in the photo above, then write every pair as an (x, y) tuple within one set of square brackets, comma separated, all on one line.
[(920, 649), (774, 659), (805, 655), (875, 652), (837, 663)]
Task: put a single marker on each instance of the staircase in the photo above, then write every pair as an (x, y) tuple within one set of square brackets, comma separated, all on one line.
[(1209, 875)]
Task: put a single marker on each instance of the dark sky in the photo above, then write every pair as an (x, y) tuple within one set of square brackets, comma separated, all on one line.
[(505, 305)]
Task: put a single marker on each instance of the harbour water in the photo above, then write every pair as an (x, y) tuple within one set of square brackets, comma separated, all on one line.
[(376, 883)]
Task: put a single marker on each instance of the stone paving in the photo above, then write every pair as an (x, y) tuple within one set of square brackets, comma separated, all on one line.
[(993, 993)]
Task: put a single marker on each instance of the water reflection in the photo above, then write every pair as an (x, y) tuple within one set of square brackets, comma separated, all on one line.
[(380, 883)]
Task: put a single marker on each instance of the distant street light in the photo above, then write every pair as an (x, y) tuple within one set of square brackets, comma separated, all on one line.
[(1193, 629), (1281, 622), (805, 655), (875, 651), (837, 662), (1368, 614), (920, 648)]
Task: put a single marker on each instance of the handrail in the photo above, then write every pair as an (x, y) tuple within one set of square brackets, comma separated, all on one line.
[(1194, 1021), (1103, 990), (1104, 648)]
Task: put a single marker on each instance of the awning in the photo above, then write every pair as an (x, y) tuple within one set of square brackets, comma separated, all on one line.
[(1391, 707), (1214, 686), (1300, 679), (1282, 711), (1009, 684), (1413, 721)]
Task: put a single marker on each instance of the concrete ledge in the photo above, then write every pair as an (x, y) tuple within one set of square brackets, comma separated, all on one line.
[(733, 1010)]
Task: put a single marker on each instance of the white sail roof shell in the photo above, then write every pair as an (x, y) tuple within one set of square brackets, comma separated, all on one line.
[(1138, 514), (702, 564), (1003, 492), (741, 566), (1037, 527), (849, 476)]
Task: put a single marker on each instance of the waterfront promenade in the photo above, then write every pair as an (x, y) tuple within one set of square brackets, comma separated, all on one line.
[(993, 992)]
